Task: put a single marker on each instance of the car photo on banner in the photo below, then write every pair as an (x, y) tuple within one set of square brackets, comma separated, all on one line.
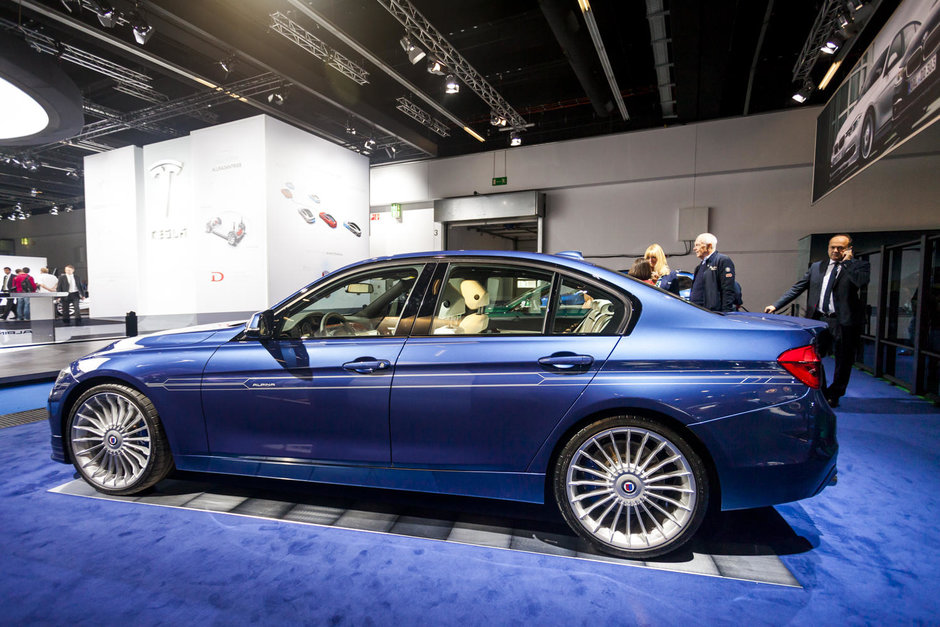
[(233, 234), (511, 376)]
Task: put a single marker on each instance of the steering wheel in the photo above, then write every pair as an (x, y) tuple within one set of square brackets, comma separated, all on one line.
[(332, 314)]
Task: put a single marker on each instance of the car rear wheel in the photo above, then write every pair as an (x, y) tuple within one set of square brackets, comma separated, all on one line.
[(631, 487), (116, 440)]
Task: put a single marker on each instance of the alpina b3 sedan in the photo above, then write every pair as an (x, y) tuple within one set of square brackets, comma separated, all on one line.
[(509, 376)]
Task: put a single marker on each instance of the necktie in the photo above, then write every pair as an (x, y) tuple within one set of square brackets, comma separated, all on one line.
[(827, 298)]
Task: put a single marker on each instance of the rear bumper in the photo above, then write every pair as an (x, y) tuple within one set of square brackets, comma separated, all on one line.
[(773, 455)]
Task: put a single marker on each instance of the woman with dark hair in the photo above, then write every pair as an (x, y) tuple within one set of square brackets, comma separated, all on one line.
[(643, 271)]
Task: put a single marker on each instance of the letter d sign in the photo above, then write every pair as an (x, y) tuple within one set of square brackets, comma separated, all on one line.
[(217, 276)]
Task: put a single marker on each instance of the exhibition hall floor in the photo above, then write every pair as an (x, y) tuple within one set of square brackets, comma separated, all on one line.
[(864, 551)]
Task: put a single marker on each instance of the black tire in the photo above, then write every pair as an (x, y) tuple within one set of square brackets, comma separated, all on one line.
[(116, 441), (631, 487)]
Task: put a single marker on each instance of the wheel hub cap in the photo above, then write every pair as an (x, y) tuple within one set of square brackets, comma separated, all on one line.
[(110, 440)]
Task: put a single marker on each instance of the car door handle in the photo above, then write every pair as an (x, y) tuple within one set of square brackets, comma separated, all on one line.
[(566, 362), (367, 365)]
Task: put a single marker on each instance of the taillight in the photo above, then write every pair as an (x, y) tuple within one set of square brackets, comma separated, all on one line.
[(803, 363)]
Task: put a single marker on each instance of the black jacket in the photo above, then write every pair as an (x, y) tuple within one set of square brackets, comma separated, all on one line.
[(717, 284), (64, 284), (849, 308)]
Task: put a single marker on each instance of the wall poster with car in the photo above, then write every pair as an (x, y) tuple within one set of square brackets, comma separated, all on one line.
[(891, 94)]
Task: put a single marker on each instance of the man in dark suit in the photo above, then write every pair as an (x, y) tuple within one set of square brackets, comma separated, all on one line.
[(833, 287), (71, 283), (713, 283), (9, 305)]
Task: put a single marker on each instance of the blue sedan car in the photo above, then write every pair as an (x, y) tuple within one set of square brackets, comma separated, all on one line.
[(472, 373)]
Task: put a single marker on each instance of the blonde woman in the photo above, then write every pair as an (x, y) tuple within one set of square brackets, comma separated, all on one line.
[(662, 275)]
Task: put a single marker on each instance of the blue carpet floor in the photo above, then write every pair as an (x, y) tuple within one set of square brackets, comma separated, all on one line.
[(23, 397), (870, 555)]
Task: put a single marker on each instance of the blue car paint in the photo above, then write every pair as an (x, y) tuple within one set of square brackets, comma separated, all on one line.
[(769, 437)]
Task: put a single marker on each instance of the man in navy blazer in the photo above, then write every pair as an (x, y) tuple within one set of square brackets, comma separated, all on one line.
[(833, 287), (713, 283)]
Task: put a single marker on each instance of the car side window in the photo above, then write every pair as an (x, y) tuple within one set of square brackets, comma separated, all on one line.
[(583, 309), (367, 304), (898, 45), (477, 298)]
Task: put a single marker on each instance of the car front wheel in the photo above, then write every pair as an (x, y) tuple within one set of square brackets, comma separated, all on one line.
[(631, 487), (116, 440)]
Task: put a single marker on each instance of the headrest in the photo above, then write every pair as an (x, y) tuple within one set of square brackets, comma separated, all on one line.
[(474, 294), (452, 303)]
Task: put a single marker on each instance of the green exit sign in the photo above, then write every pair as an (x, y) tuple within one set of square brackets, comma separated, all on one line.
[(500, 180)]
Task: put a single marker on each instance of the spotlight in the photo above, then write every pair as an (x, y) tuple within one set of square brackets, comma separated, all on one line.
[(142, 32), (68, 208), (350, 130), (227, 65), (414, 53), (370, 144), (452, 85), (435, 67), (11, 216), (498, 120), (856, 5), (515, 139), (54, 210), (833, 43), (844, 20), (71, 173), (276, 99), (804, 93), (34, 192), (107, 16)]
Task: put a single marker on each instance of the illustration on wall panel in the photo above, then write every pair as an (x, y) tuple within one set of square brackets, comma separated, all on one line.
[(353, 228), (328, 219), (289, 191), (232, 234), (164, 171)]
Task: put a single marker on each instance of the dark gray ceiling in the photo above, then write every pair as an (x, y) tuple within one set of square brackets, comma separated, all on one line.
[(725, 58)]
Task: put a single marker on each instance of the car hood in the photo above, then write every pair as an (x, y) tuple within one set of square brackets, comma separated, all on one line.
[(218, 332)]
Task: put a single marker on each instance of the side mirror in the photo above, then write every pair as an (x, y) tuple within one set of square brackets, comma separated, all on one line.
[(260, 326)]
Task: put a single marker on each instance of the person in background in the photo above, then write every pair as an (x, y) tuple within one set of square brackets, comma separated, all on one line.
[(643, 271), (47, 282), (72, 284), (9, 303), (23, 283), (662, 275), (713, 286), (833, 297)]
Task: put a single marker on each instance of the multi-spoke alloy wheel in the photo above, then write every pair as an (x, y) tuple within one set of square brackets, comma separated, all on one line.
[(116, 441), (631, 487)]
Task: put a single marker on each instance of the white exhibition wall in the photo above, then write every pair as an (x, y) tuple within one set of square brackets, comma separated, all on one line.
[(203, 224), (618, 193)]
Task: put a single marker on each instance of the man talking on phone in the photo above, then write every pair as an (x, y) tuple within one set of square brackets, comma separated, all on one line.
[(833, 297)]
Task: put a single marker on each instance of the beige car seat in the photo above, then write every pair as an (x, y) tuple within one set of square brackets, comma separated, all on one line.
[(597, 318), (476, 298)]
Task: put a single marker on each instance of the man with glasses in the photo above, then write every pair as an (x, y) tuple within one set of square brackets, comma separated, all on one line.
[(833, 296)]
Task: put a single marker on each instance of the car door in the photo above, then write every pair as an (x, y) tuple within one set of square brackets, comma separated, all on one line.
[(318, 388), (499, 355), (884, 98)]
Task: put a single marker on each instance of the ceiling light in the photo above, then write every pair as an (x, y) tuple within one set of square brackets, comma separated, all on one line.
[(452, 85), (369, 144), (54, 210), (498, 120), (20, 114), (844, 20), (11, 216), (829, 74), (34, 192), (227, 65), (435, 67), (414, 53), (142, 32), (856, 5), (804, 93), (68, 208), (833, 43), (71, 173), (106, 14), (276, 99), (515, 139)]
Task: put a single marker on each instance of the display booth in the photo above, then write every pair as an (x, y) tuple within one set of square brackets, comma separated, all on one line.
[(228, 220)]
